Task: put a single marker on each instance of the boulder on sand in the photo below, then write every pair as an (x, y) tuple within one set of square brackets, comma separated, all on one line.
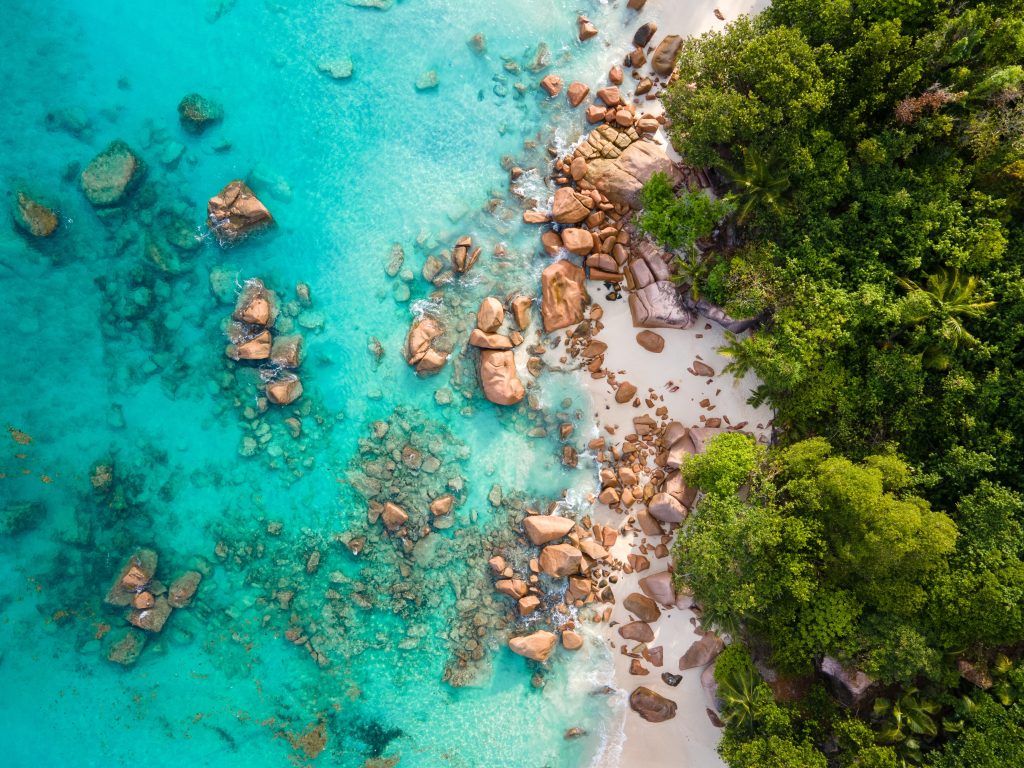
[(537, 646), (642, 606), (236, 212), (702, 652), (659, 305), (638, 631), (560, 560), (664, 59), (666, 508), (564, 295), (498, 377), (112, 174), (651, 706), (520, 306), (541, 529), (658, 586), (197, 113)]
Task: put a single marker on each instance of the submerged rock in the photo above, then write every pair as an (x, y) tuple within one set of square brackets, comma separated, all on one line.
[(183, 589), (338, 68), (256, 347), (236, 212), (151, 619), (18, 517), (125, 646), (198, 113), (136, 574), (33, 216), (112, 174), (427, 81), (286, 351)]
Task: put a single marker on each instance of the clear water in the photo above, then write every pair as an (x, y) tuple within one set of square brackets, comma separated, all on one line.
[(114, 355)]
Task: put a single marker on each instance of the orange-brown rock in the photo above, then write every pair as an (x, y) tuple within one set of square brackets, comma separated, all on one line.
[(151, 619), (552, 84), (256, 348), (284, 390), (137, 573), (236, 212), (520, 306), (651, 341), (542, 529), (478, 338), (183, 589), (286, 351), (571, 640), (537, 646), (394, 516), (498, 377), (560, 560), (569, 206), (576, 93), (577, 241), (652, 706), (564, 296), (490, 315), (642, 606)]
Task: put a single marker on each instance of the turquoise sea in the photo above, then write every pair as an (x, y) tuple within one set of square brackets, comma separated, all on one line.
[(125, 426)]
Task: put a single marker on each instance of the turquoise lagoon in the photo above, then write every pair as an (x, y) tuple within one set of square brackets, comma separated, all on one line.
[(114, 357)]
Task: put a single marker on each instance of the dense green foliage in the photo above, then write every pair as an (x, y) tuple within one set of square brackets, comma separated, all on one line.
[(678, 222), (873, 153)]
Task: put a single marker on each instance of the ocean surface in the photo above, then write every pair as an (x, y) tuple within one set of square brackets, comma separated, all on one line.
[(127, 427)]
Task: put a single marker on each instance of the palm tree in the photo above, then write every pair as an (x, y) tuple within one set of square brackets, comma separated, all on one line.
[(690, 269), (948, 297), (736, 689), (756, 183)]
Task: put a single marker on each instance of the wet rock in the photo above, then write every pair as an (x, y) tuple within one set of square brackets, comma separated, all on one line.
[(514, 588), (33, 216), (560, 560), (666, 508), (125, 646), (552, 84), (257, 347), (112, 175), (143, 600), (183, 589), (136, 574), (574, 733), (337, 67), (151, 619), (651, 706), (576, 93), (477, 43), (286, 351), (671, 679), (419, 350), (643, 35), (394, 516), (464, 255), (236, 212), (537, 646), (642, 606), (520, 306), (284, 390), (442, 506), (651, 341), (571, 641), (638, 631), (586, 28), (489, 340), (542, 529), (498, 377), (702, 652), (664, 59), (198, 113), (527, 605), (490, 315), (255, 304), (564, 295)]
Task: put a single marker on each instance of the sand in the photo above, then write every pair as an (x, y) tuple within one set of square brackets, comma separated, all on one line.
[(689, 740)]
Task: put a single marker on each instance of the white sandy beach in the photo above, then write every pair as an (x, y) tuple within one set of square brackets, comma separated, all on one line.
[(689, 740)]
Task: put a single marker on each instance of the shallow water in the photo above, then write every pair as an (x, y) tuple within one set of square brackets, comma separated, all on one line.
[(115, 358)]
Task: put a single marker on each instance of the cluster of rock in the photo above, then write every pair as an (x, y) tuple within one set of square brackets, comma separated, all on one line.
[(251, 340), (148, 603), (498, 376)]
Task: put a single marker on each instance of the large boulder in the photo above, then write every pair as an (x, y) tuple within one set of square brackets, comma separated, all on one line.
[(659, 305), (419, 350), (498, 377), (651, 706), (666, 508), (577, 241), (852, 686), (664, 59), (490, 315), (702, 652), (537, 646), (255, 305), (622, 179), (284, 390), (256, 346), (637, 631), (642, 606), (183, 589), (541, 529), (197, 113), (560, 560), (520, 306), (236, 212), (151, 619), (112, 174), (286, 351), (658, 586), (563, 295), (569, 206)]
